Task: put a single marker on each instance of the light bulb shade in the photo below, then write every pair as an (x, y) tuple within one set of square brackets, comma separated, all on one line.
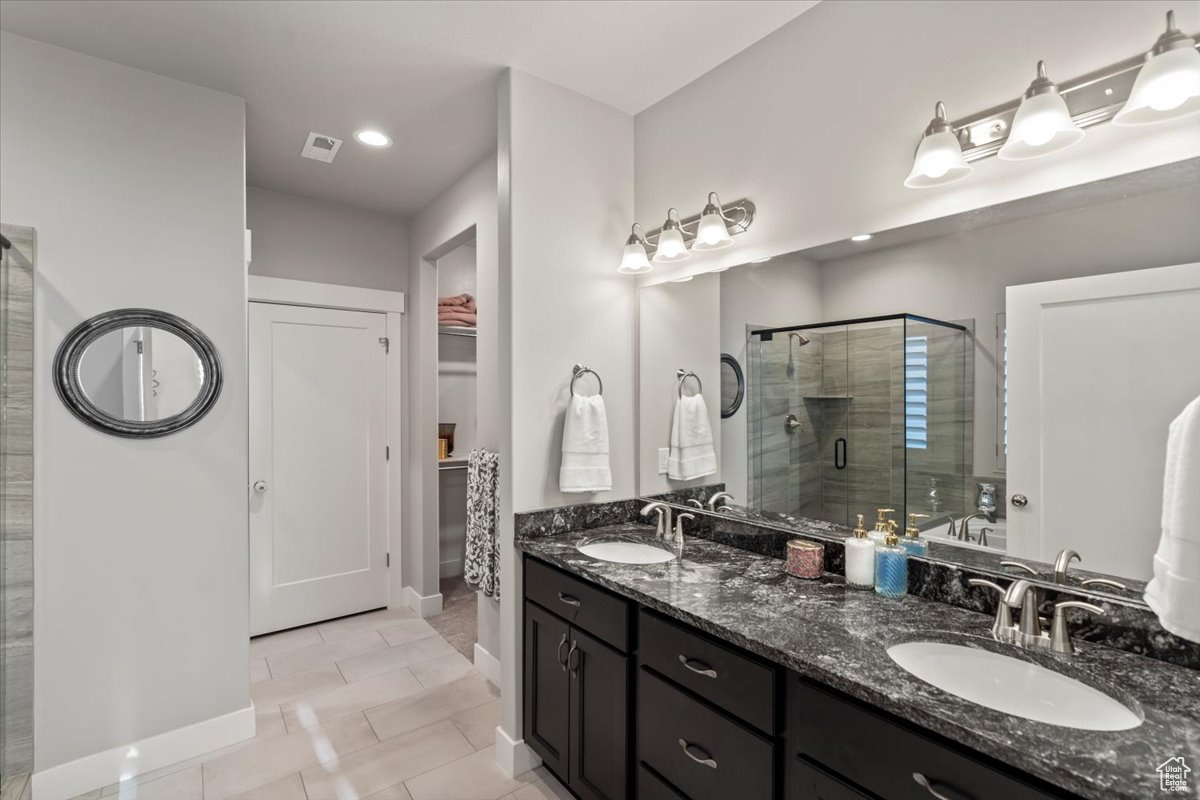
[(712, 233), (1043, 125), (939, 160), (1167, 87), (634, 260), (670, 247)]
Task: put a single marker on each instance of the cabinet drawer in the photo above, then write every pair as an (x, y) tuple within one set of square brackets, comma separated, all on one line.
[(703, 753), (652, 787), (736, 682), (600, 613), (883, 755)]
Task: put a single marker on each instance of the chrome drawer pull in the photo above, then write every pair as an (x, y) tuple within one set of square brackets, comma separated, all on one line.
[(936, 790), (573, 667), (561, 658), (569, 600), (698, 667), (707, 760)]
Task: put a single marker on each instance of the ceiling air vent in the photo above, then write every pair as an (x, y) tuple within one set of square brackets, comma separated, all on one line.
[(320, 147)]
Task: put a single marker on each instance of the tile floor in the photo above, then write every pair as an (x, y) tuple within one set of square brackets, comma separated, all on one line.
[(372, 707)]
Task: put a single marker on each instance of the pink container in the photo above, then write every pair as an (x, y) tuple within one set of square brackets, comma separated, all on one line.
[(805, 559)]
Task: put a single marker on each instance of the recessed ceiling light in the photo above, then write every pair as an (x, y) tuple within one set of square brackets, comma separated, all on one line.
[(862, 237), (373, 138)]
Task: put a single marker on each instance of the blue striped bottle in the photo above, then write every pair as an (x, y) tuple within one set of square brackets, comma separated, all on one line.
[(891, 566)]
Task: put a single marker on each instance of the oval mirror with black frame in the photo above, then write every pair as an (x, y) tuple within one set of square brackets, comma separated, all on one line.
[(733, 386), (137, 373)]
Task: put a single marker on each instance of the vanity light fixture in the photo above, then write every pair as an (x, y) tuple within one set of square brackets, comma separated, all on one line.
[(635, 261), (1168, 85), (1161, 85), (684, 279), (939, 159), (762, 260), (711, 233), (671, 246), (1043, 124), (862, 237), (373, 138), (711, 229)]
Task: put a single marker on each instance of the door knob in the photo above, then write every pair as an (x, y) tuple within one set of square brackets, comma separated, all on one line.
[(790, 423), (260, 486), (1020, 500)]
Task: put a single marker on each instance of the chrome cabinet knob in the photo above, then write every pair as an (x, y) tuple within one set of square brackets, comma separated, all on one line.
[(1020, 500), (260, 487)]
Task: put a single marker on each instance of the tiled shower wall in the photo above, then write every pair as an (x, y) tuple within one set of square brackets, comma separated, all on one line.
[(16, 511), (850, 384)]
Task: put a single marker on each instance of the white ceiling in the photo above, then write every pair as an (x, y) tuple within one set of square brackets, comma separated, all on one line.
[(424, 72)]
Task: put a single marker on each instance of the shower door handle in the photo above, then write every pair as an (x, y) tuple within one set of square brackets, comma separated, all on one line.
[(839, 453)]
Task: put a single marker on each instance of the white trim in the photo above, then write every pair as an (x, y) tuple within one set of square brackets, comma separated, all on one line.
[(450, 568), (424, 605), (137, 758), (286, 291), (487, 664), (514, 757)]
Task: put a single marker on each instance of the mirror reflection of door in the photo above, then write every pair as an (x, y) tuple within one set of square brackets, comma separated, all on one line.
[(141, 374)]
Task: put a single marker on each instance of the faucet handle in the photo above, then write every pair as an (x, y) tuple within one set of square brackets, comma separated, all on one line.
[(694, 503), (1019, 565), (1060, 635), (1003, 621), (679, 525)]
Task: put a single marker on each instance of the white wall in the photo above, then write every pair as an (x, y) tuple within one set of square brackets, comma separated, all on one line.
[(314, 240), (566, 201), (676, 330), (136, 186), (782, 291), (465, 211), (964, 276), (817, 122)]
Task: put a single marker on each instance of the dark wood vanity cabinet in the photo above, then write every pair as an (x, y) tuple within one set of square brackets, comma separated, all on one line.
[(713, 722), (576, 682)]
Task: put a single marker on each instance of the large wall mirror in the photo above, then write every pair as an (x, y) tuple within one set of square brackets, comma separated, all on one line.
[(1008, 375), (137, 373)]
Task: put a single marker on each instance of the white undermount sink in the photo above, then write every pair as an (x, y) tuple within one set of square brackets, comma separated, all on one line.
[(1013, 686), (623, 551)]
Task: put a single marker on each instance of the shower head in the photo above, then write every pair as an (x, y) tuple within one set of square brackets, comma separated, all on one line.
[(800, 340)]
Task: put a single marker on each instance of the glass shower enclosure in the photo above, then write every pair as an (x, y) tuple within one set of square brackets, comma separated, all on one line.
[(849, 417)]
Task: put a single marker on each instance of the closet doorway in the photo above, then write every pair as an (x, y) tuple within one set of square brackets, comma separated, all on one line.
[(320, 380), (457, 435)]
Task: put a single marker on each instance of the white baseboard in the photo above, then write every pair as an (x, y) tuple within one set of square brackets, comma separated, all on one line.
[(424, 605), (487, 664), (110, 766), (451, 568), (515, 758)]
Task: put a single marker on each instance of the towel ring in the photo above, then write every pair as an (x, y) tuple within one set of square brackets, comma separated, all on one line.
[(683, 374), (578, 370)]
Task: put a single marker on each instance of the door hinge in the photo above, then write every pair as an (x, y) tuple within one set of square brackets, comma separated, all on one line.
[(387, 561), (383, 340)]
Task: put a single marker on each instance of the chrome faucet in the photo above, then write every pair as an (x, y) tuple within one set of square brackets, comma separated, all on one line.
[(717, 498), (1063, 563), (663, 525), (1024, 596), (964, 530)]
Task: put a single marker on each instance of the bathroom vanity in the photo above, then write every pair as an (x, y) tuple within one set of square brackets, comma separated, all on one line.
[(716, 675)]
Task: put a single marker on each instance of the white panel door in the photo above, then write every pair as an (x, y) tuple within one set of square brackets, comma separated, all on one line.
[(318, 503), (1097, 369)]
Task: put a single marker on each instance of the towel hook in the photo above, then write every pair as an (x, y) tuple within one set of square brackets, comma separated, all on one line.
[(578, 370), (683, 374)]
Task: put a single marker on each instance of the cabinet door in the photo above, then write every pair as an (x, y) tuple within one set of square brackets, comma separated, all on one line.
[(547, 687), (599, 719), (807, 782)]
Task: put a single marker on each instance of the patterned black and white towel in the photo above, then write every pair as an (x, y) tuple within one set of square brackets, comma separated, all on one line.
[(482, 568)]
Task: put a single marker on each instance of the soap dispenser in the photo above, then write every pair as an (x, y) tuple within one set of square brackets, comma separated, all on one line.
[(891, 565), (860, 558), (912, 543), (881, 525)]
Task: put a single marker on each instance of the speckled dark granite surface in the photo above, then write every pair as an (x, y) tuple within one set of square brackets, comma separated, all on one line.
[(550, 521), (839, 636)]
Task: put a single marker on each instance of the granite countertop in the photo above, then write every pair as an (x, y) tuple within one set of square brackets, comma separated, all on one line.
[(838, 636)]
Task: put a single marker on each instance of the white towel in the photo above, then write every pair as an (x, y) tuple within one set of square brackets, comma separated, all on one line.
[(692, 454), (585, 466), (1174, 591)]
